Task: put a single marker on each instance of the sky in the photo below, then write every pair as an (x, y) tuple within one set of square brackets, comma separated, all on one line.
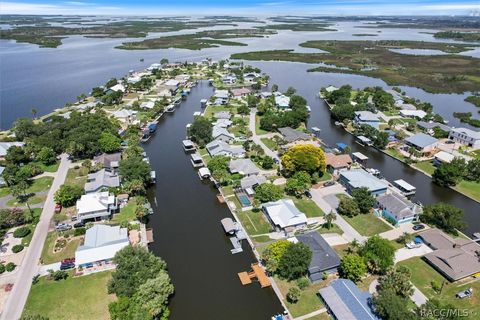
[(241, 7)]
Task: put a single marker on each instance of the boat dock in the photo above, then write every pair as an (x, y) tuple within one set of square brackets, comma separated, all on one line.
[(257, 273)]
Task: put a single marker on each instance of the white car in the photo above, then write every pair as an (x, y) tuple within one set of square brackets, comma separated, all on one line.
[(413, 245)]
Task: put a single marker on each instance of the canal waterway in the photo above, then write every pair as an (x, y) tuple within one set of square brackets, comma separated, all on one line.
[(189, 236)]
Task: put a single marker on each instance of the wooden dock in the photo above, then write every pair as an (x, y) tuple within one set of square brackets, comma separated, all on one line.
[(257, 273)]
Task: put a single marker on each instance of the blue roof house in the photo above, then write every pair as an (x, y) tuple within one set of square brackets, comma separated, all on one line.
[(345, 301), (367, 117), (359, 178)]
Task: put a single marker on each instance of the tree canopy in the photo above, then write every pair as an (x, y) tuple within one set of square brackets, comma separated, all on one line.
[(67, 195), (444, 216), (364, 199), (268, 192), (304, 157), (378, 254), (352, 267), (295, 261), (449, 174), (273, 253), (134, 168), (201, 131)]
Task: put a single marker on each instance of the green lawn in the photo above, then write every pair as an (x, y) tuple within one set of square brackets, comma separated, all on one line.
[(395, 153), (423, 274), (48, 256), (5, 191), (308, 207), (469, 188), (333, 229), (31, 201), (326, 176), (425, 166), (257, 126), (126, 213), (367, 224), (77, 176), (74, 298), (227, 190), (254, 222), (40, 184), (270, 143), (210, 110), (50, 167)]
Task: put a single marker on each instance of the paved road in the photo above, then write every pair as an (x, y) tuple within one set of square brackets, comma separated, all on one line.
[(30, 267), (256, 138)]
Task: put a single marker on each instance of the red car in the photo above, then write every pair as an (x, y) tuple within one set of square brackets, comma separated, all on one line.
[(58, 208)]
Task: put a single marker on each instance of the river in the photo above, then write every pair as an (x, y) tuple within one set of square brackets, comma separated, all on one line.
[(189, 236)]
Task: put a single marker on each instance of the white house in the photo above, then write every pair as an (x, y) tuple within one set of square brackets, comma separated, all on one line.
[(133, 79), (147, 105), (101, 244), (98, 205), (466, 137), (284, 215), (4, 146), (229, 79), (413, 113), (125, 115), (220, 148), (282, 101), (245, 167), (118, 87), (219, 133)]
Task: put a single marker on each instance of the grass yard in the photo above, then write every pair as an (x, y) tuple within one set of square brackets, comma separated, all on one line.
[(31, 201), (40, 184), (425, 166), (470, 188), (334, 229), (326, 176), (48, 256), (77, 176), (50, 167), (255, 223), (210, 110), (395, 153), (423, 274), (308, 302), (227, 191), (5, 191), (126, 213), (258, 130), (308, 207), (270, 143), (367, 224), (74, 298), (341, 249)]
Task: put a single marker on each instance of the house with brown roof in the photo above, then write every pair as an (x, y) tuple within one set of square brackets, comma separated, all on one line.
[(337, 162), (454, 258)]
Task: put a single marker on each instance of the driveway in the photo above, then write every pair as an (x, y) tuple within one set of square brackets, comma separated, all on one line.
[(30, 267), (417, 297), (400, 230), (256, 138), (405, 253)]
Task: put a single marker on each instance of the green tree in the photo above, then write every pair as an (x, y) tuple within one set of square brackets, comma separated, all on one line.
[(295, 261), (34, 113), (268, 192), (19, 190), (290, 91), (389, 306), (449, 174), (46, 155), (343, 111), (109, 142), (329, 218), (134, 168), (125, 308), (473, 170), (298, 183), (16, 155), (293, 294), (433, 309), (397, 280), (364, 199), (67, 195), (153, 296), (444, 216), (352, 267), (304, 157), (243, 109), (348, 207), (201, 131), (273, 253), (274, 87), (378, 254)]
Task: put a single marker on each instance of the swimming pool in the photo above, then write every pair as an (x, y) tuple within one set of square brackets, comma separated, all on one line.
[(244, 200)]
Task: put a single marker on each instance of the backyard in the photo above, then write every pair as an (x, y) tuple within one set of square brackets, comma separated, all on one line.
[(77, 298), (77, 176), (367, 224), (425, 166), (49, 256), (308, 207), (210, 110), (254, 222), (126, 213), (469, 188)]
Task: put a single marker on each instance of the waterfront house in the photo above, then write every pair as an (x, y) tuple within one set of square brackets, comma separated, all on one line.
[(454, 258), (97, 206), (467, 137), (330, 89), (429, 126), (422, 142), (221, 97), (324, 258), (251, 182), (219, 133), (345, 301), (133, 79), (396, 209), (337, 162), (265, 94), (222, 115), (222, 123), (4, 146), (359, 178), (109, 161), (172, 83), (125, 115), (240, 92), (229, 79), (442, 157), (100, 180), (147, 105), (292, 135), (282, 101), (420, 114), (245, 167), (366, 117), (220, 148), (118, 87), (101, 244), (284, 215)]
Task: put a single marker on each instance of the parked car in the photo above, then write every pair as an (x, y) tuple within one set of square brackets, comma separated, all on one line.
[(449, 142), (329, 183), (66, 266), (465, 294), (58, 208), (74, 218), (308, 194), (63, 227), (413, 245), (79, 225), (418, 227)]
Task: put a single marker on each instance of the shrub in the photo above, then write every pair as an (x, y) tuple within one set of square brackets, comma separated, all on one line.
[(302, 283), (79, 232), (17, 248), (2, 268), (293, 295), (10, 266), (67, 195), (21, 232)]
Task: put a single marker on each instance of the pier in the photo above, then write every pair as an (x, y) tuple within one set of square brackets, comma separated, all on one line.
[(257, 273)]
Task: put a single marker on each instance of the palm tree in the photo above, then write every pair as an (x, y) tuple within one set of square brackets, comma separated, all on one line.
[(329, 218), (354, 245), (34, 112), (19, 190)]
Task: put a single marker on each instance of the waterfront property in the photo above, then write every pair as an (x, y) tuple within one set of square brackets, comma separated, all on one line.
[(100, 245), (109, 161), (4, 146), (345, 301), (324, 258), (292, 135), (251, 182), (420, 114), (245, 167), (396, 209), (467, 137), (284, 215), (102, 179), (337, 162), (240, 92), (282, 102), (422, 142), (125, 115), (220, 148), (442, 157), (221, 97), (429, 126), (454, 258), (222, 115), (404, 187), (98, 205), (219, 133), (359, 178), (367, 117)]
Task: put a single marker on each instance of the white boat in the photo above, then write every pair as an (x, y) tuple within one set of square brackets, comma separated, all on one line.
[(309, 109), (204, 173), (373, 171), (188, 145), (170, 108), (197, 113), (405, 188), (196, 160), (316, 129)]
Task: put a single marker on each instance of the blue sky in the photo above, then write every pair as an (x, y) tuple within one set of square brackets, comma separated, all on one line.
[(243, 7)]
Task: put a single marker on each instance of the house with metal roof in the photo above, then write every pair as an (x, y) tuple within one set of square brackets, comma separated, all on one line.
[(221, 134), (396, 209), (282, 101), (284, 215), (220, 148), (422, 142), (467, 137), (245, 167), (367, 117), (345, 301), (100, 180), (291, 135), (109, 161), (101, 244), (97, 205), (324, 258), (442, 157), (359, 178), (251, 182), (420, 114), (431, 125), (4, 146)]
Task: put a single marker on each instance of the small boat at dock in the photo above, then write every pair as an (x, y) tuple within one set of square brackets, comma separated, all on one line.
[(204, 173), (188, 145), (170, 108), (196, 160)]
